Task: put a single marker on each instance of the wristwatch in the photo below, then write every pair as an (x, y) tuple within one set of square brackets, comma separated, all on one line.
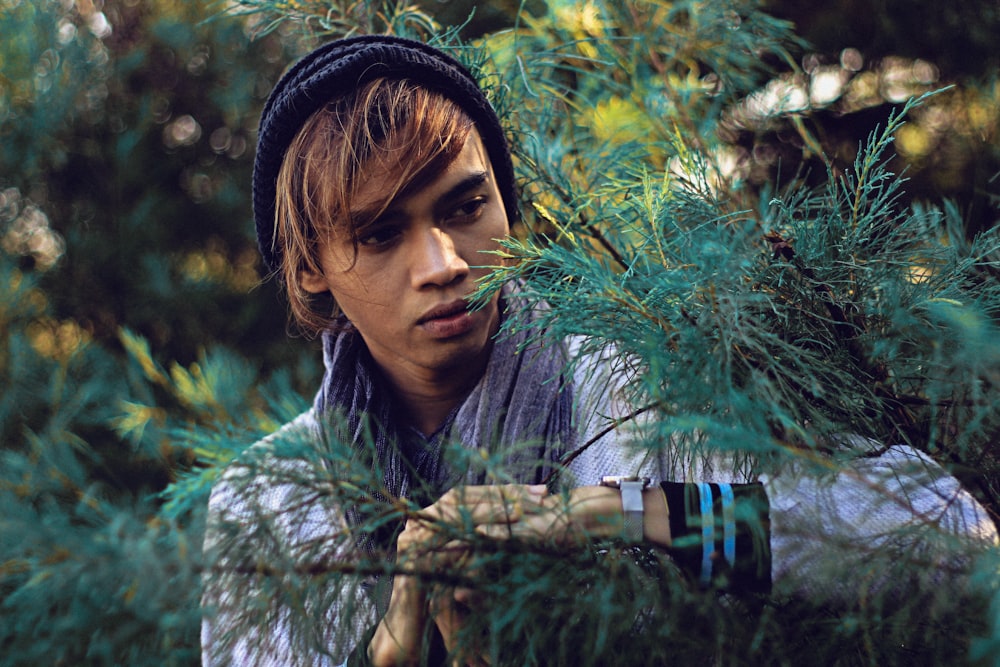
[(631, 488)]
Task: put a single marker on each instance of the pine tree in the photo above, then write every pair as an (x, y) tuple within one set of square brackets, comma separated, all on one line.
[(765, 320), (95, 264)]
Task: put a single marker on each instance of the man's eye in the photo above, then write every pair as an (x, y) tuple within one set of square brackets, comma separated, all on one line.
[(469, 210), (378, 238)]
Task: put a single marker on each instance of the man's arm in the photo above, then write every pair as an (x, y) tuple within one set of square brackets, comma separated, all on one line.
[(272, 533)]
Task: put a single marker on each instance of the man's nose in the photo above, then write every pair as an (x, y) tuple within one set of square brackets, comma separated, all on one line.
[(436, 261)]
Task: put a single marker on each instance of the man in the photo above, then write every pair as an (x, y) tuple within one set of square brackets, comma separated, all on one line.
[(382, 184)]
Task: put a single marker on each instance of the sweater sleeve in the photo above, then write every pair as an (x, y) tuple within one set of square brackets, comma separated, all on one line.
[(272, 596), (860, 528), (835, 529)]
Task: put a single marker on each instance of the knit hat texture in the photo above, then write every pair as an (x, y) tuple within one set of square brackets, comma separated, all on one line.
[(336, 69)]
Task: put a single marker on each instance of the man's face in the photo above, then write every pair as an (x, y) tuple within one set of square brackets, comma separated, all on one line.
[(405, 289)]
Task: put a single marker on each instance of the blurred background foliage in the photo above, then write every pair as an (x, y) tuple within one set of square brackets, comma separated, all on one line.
[(134, 325)]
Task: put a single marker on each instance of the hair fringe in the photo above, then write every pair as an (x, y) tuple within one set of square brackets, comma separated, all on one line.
[(392, 126)]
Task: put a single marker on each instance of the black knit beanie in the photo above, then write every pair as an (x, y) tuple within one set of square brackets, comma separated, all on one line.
[(341, 66)]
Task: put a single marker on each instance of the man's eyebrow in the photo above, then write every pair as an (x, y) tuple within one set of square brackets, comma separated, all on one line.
[(367, 216), (470, 182)]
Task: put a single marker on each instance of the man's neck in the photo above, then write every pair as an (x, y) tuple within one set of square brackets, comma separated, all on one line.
[(427, 397)]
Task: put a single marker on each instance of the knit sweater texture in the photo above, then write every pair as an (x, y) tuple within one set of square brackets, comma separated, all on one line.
[(272, 509)]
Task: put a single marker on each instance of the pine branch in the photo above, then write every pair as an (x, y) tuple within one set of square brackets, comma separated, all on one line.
[(569, 457)]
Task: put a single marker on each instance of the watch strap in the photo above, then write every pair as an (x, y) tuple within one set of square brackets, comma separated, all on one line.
[(632, 509)]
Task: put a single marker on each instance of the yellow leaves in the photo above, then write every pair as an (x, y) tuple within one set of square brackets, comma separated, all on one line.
[(544, 213), (952, 302), (615, 120), (914, 141), (192, 387), (138, 348), (213, 265), (981, 115), (137, 417), (314, 7), (57, 340), (564, 232), (974, 114), (583, 20), (189, 385), (501, 48), (864, 91)]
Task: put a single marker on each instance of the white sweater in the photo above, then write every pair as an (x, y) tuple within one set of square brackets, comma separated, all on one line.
[(899, 499)]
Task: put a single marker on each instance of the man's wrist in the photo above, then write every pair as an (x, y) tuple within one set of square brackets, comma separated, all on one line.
[(631, 489), (605, 517), (596, 511)]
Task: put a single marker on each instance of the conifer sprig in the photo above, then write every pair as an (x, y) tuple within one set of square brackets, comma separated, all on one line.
[(801, 305)]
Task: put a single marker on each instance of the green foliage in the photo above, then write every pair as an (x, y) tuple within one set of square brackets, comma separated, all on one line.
[(125, 154), (773, 331), (95, 569), (102, 585), (87, 574), (987, 648), (132, 131), (782, 320), (845, 312)]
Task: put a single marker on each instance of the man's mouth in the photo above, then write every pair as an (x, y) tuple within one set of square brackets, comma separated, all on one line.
[(445, 311), (448, 320)]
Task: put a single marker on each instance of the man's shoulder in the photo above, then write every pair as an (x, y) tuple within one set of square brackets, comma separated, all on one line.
[(285, 450), (301, 430)]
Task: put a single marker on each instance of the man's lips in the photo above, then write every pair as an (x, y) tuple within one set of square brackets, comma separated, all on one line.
[(448, 320), (456, 307)]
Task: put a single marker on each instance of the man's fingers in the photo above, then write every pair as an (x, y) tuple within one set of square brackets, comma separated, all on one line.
[(494, 494), (553, 525), (430, 552), (528, 528), (495, 511), (478, 505), (469, 597)]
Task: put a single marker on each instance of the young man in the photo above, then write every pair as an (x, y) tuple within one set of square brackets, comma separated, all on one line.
[(383, 181)]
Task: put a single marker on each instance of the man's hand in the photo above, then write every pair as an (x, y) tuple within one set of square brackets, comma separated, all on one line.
[(587, 513), (432, 541)]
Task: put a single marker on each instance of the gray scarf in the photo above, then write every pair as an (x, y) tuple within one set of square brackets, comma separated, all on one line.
[(520, 413)]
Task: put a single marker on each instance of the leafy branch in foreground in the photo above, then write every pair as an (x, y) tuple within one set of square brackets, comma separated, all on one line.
[(834, 308), (757, 328)]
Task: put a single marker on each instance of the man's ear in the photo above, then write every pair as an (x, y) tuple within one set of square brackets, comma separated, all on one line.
[(312, 282)]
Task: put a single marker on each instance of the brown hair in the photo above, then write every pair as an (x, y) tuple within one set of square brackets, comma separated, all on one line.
[(390, 126)]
